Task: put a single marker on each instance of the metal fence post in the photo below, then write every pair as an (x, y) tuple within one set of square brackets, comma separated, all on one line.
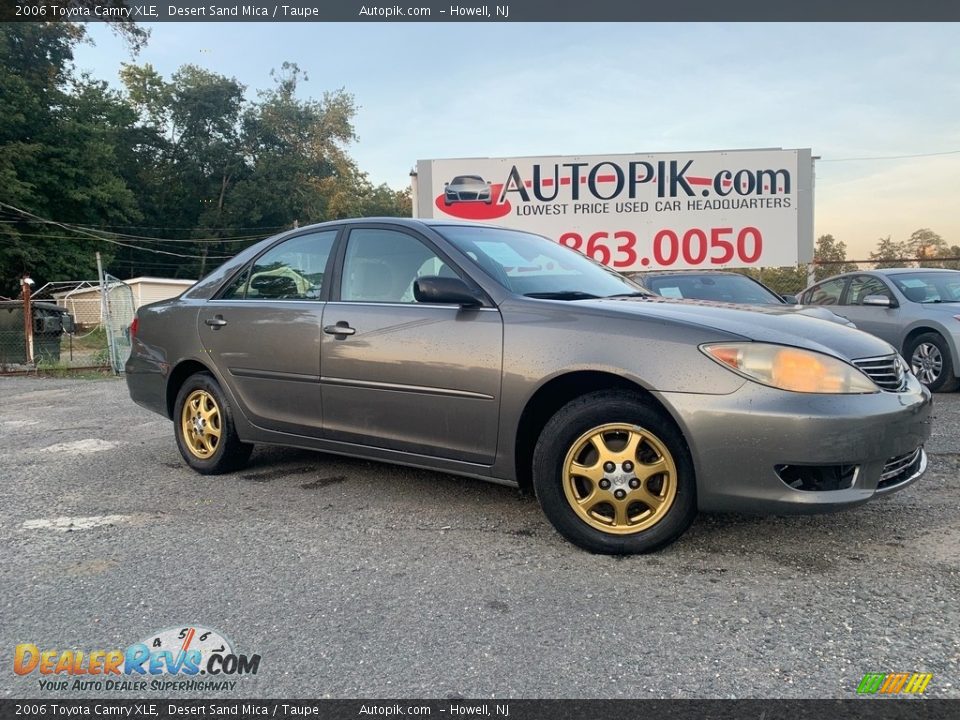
[(25, 284)]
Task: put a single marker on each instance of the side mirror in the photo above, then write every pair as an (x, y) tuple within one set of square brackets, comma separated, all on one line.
[(791, 299), (877, 301), (445, 290)]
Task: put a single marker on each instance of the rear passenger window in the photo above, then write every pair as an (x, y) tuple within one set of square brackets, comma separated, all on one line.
[(293, 270), (827, 293)]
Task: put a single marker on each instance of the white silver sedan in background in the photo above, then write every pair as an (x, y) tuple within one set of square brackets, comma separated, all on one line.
[(915, 310)]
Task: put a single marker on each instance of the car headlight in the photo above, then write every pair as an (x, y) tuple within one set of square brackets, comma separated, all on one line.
[(790, 368)]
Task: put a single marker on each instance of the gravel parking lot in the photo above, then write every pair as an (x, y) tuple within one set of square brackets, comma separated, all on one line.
[(357, 579)]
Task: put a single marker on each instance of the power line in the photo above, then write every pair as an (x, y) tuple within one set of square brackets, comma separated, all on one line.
[(205, 240), (236, 239), (191, 227), (80, 231), (889, 157)]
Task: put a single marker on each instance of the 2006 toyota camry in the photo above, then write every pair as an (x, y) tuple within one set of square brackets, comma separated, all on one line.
[(502, 355)]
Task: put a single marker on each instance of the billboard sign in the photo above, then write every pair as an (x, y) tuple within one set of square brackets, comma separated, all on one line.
[(735, 208)]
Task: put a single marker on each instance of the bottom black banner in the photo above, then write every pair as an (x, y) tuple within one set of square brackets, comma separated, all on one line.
[(462, 709)]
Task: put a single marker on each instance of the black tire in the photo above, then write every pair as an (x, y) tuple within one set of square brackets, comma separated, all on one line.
[(930, 360), (209, 410), (598, 412)]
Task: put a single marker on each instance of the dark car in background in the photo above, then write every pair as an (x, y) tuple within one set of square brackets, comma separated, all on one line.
[(915, 310), (715, 285), (724, 287), (502, 355)]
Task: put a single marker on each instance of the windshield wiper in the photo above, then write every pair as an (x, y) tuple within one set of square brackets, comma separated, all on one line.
[(562, 295), (630, 294)]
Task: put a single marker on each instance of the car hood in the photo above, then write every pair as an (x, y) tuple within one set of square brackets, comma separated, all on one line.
[(779, 324), (820, 313)]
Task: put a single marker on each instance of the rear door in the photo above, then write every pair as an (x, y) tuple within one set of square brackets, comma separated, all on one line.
[(403, 375), (263, 333)]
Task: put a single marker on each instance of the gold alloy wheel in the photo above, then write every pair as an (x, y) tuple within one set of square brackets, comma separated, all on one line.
[(200, 423), (620, 479)]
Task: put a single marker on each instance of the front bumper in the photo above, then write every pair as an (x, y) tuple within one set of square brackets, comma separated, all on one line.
[(738, 442)]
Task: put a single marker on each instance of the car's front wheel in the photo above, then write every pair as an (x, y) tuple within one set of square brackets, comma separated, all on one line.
[(930, 361), (203, 424), (614, 475)]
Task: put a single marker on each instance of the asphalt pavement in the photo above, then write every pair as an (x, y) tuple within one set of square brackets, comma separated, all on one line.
[(355, 579)]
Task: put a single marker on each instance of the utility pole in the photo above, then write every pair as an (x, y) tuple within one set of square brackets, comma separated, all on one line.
[(25, 283)]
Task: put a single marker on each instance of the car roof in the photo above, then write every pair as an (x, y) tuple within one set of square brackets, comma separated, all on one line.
[(403, 221), (900, 271), (886, 272), (647, 273)]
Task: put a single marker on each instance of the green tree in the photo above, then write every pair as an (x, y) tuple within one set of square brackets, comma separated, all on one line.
[(300, 170), (830, 257), (58, 139), (952, 251), (925, 243), (889, 253), (175, 173)]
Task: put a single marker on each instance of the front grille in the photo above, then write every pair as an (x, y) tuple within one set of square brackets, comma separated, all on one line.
[(886, 371), (899, 468)]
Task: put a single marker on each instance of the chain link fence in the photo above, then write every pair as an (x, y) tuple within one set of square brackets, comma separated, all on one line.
[(68, 329), (794, 279), (118, 311)]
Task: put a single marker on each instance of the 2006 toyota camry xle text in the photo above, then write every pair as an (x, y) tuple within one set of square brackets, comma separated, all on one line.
[(502, 355)]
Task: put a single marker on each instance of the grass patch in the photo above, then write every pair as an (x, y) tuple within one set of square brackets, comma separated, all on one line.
[(92, 340)]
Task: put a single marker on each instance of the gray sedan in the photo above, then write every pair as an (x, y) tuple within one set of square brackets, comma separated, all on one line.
[(915, 310), (504, 356)]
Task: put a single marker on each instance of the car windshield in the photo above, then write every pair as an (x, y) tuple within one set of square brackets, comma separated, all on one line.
[(468, 180), (934, 287), (533, 265), (719, 288)]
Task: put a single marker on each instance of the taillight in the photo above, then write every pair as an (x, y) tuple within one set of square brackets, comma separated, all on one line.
[(133, 327)]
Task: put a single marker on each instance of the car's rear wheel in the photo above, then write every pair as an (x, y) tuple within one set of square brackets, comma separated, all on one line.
[(614, 475), (930, 361), (204, 428)]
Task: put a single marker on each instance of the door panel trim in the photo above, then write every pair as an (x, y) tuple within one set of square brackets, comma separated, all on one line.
[(273, 375), (396, 387)]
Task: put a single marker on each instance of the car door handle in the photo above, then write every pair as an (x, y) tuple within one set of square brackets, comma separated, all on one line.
[(341, 328), (216, 322)]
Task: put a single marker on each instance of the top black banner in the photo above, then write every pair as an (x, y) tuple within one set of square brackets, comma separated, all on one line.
[(477, 11)]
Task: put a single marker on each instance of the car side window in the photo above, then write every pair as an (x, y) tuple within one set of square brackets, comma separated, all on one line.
[(863, 285), (827, 293), (293, 270), (382, 265)]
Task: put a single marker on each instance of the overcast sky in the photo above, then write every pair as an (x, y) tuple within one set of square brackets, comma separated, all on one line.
[(440, 90)]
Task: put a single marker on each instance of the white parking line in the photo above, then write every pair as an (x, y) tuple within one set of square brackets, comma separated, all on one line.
[(66, 524)]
